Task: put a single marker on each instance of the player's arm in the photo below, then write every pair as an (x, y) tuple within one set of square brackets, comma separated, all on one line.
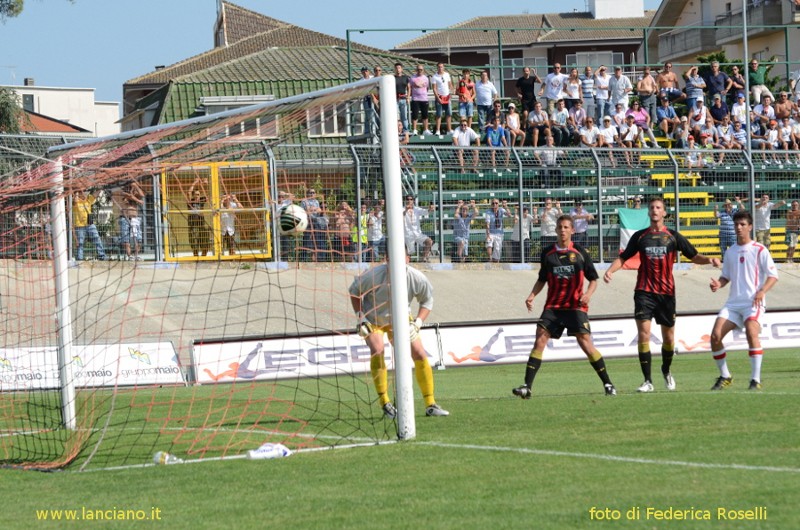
[(717, 284), (702, 259), (537, 288), (761, 293), (590, 289), (614, 267)]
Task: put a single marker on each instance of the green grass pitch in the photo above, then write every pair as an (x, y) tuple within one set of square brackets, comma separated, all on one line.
[(560, 460)]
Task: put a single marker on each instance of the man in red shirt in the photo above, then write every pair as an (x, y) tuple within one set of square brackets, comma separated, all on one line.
[(565, 267), (654, 294)]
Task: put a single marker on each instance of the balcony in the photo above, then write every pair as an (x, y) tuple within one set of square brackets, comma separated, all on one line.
[(766, 13), (682, 42)]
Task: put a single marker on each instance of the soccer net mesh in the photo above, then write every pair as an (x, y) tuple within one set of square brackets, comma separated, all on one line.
[(189, 334)]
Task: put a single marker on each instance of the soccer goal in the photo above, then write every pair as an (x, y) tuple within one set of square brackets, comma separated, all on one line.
[(150, 301)]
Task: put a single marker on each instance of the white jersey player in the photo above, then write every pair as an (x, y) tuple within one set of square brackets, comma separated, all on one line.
[(749, 269)]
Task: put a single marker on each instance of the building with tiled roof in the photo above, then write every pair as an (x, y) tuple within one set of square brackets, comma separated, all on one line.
[(254, 55), (35, 123), (611, 32)]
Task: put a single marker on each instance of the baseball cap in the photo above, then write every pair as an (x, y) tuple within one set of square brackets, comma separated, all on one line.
[(717, 96), (512, 106), (740, 95), (684, 118), (606, 118), (364, 69)]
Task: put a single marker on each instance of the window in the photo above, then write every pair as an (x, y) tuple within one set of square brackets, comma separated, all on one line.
[(594, 59), (262, 127), (512, 68), (27, 102), (339, 119)]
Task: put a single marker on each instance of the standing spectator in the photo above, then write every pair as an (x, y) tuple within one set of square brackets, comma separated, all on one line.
[(751, 272), (495, 221), (344, 220), (572, 89), (642, 120), (402, 86), (718, 109), (549, 217), (601, 82), (442, 88), (83, 222), (792, 230), (463, 137), (521, 232), (587, 92), (694, 86), (667, 118), (419, 99), (737, 84), (548, 157), (580, 219), (654, 294), (740, 109), (462, 220), (377, 241), (412, 226), (539, 124), (130, 225), (199, 232), (565, 266), (526, 91), (757, 76), (763, 219), (552, 87), (647, 90), (559, 125), (727, 234), (669, 85), (315, 238), (485, 92), (466, 97), (360, 235), (514, 126), (619, 87), (717, 82), (227, 220)]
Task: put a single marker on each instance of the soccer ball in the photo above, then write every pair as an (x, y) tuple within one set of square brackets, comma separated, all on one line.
[(293, 219)]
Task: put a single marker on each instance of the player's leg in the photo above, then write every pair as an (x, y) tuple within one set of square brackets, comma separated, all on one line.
[(752, 329), (644, 305), (377, 366), (543, 334), (596, 360), (424, 376), (722, 326), (665, 316)]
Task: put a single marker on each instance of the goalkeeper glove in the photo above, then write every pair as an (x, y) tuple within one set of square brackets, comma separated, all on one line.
[(414, 328), (363, 328)]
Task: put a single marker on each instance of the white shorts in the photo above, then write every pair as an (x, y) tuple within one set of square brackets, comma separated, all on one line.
[(740, 314), (495, 243), (413, 241)]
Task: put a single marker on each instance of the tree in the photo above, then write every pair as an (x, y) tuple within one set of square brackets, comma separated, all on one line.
[(10, 111), (10, 8)]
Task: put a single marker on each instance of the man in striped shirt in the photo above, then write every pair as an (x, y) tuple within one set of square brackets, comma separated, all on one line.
[(564, 268), (654, 294), (751, 272)]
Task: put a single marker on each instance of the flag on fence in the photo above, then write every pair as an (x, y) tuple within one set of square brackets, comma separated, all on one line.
[(631, 220)]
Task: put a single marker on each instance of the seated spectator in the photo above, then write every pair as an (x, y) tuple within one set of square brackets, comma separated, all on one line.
[(548, 157), (772, 137), (697, 116), (708, 144), (786, 138), (758, 138), (667, 118), (496, 138), (642, 120), (463, 137), (784, 107), (757, 77), (725, 136), (796, 134), (590, 135), (515, 132), (682, 133), (764, 111), (718, 109), (559, 124), (577, 118), (710, 130), (739, 109), (619, 116), (739, 134), (628, 137), (693, 158), (609, 137), (538, 124)]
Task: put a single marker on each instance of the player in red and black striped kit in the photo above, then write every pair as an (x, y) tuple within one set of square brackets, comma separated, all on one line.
[(565, 268), (654, 294)]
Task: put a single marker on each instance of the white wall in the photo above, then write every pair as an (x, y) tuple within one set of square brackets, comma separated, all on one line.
[(602, 9), (73, 105)]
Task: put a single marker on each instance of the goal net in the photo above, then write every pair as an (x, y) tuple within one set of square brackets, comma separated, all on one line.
[(150, 303)]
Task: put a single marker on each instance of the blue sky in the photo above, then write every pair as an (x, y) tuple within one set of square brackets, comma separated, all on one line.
[(102, 43)]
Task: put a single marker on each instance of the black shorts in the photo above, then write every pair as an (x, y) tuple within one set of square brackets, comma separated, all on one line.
[(528, 104), (419, 108), (659, 306), (555, 321)]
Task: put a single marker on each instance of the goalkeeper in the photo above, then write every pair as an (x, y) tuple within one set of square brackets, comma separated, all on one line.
[(370, 296)]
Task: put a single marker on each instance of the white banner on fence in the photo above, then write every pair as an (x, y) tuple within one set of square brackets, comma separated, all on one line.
[(321, 355), (92, 366)]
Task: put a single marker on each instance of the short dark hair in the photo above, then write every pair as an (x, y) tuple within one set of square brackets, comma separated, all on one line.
[(743, 214), (565, 217)]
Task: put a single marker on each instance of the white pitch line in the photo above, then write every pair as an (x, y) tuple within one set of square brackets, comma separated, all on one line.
[(612, 458)]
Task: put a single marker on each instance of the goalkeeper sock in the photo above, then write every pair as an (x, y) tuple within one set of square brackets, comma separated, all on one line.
[(599, 365), (645, 361), (424, 374), (377, 365), (667, 353), (531, 369)]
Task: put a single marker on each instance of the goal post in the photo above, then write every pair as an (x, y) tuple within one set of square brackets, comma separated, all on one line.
[(249, 337)]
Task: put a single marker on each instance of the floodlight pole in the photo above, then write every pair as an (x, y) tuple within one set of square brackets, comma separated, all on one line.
[(401, 347), (58, 223)]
